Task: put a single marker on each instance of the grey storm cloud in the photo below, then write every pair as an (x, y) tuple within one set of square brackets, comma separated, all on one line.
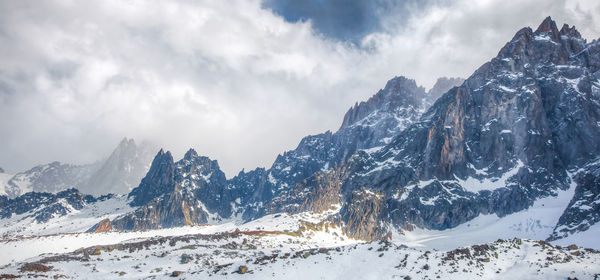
[(346, 20), (239, 81)]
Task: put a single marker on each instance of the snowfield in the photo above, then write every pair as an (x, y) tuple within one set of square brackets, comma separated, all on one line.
[(305, 246), (314, 254), (536, 223)]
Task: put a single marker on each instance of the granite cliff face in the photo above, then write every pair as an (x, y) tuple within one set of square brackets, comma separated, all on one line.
[(513, 132), (499, 141), (493, 145)]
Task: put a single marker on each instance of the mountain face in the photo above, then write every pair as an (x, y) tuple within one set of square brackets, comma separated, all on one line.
[(507, 136), (522, 127), (123, 170), (367, 125), (508, 153), (188, 192)]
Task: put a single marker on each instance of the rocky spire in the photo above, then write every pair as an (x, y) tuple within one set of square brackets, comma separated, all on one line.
[(158, 181), (570, 31), (190, 154), (548, 26), (398, 92)]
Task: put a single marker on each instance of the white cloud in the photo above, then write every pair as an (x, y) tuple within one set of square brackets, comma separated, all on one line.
[(228, 78)]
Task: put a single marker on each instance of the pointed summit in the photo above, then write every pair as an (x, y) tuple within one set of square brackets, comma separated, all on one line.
[(549, 26), (570, 31), (190, 154), (158, 181), (398, 92), (126, 141), (122, 170)]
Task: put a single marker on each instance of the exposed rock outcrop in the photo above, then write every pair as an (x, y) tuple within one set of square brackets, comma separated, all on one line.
[(102, 226)]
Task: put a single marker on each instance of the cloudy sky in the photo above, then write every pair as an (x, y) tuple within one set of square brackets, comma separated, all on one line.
[(239, 81)]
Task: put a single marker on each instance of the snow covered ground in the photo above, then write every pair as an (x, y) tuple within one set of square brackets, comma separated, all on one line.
[(311, 255), (14, 248), (589, 238)]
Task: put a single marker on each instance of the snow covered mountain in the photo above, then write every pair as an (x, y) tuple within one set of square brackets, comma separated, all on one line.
[(509, 135), (507, 156), (118, 174)]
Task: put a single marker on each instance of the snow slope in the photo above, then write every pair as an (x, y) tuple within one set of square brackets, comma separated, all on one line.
[(589, 238), (66, 242), (281, 256), (536, 222)]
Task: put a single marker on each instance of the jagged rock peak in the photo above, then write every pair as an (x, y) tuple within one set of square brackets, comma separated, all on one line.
[(161, 158), (401, 87), (158, 181), (1, 170), (569, 31), (126, 141), (545, 45), (190, 154), (398, 92), (548, 25), (126, 146), (202, 161)]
